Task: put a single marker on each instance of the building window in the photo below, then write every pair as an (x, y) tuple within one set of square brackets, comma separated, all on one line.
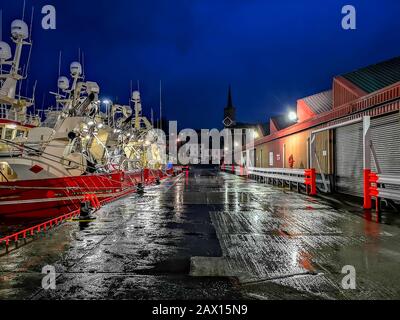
[(271, 159), (1, 132)]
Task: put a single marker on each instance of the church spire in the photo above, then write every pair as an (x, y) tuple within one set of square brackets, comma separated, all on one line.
[(230, 101), (229, 111)]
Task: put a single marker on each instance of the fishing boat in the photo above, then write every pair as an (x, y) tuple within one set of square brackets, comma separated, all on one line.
[(85, 153), (15, 122)]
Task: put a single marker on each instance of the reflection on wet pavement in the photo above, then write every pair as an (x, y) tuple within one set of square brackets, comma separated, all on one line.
[(211, 235)]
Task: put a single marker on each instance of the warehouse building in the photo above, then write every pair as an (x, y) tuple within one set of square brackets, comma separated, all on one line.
[(328, 135)]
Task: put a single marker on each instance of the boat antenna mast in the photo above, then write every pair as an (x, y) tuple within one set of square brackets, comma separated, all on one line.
[(1, 25), (23, 11), (161, 105)]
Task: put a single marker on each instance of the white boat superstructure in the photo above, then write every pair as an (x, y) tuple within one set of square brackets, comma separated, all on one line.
[(140, 142), (72, 147), (15, 121), (13, 105), (77, 139)]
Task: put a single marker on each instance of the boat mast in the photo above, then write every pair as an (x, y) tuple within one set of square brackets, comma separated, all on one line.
[(160, 105)]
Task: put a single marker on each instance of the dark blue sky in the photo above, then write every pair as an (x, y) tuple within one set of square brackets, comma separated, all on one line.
[(272, 52)]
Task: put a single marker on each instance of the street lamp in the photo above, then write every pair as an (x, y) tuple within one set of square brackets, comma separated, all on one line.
[(292, 116)]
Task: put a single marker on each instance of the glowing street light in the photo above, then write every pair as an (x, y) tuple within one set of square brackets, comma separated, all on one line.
[(292, 116)]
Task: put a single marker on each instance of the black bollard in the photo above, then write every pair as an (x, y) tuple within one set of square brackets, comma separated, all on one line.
[(140, 188), (85, 210)]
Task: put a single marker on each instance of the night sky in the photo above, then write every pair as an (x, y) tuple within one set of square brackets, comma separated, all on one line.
[(272, 52)]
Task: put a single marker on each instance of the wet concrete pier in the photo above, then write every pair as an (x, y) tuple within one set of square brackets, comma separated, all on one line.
[(211, 235)]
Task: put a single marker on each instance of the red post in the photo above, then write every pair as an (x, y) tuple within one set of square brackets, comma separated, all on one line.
[(311, 181), (367, 189)]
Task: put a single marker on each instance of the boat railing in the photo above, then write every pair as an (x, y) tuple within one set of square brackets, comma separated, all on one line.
[(12, 115), (6, 113)]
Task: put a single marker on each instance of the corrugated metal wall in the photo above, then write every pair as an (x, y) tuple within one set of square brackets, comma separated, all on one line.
[(385, 132), (349, 159)]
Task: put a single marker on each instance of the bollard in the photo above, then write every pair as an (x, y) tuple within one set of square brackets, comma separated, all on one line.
[(140, 188), (85, 210)]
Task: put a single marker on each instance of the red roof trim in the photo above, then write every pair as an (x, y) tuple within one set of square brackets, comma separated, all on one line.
[(385, 95), (304, 112), (350, 86), (273, 127)]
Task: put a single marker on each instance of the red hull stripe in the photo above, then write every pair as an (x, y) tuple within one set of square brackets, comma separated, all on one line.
[(36, 198)]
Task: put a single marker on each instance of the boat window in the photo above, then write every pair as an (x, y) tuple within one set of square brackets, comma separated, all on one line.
[(9, 134), (20, 133)]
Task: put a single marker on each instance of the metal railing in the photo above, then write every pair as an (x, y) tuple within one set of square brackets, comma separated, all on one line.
[(30, 232), (292, 175), (306, 177), (12, 115)]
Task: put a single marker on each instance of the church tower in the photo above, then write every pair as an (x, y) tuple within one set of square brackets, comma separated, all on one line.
[(229, 111)]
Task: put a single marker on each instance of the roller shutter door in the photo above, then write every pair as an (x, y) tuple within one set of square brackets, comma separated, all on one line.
[(385, 133), (349, 159)]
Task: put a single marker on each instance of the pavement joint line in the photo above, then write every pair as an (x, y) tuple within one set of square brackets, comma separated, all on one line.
[(273, 233), (257, 296), (307, 273), (130, 273)]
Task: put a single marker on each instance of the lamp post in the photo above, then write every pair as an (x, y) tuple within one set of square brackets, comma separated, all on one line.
[(107, 103)]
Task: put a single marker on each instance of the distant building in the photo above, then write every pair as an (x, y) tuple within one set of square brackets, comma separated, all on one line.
[(230, 122)]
